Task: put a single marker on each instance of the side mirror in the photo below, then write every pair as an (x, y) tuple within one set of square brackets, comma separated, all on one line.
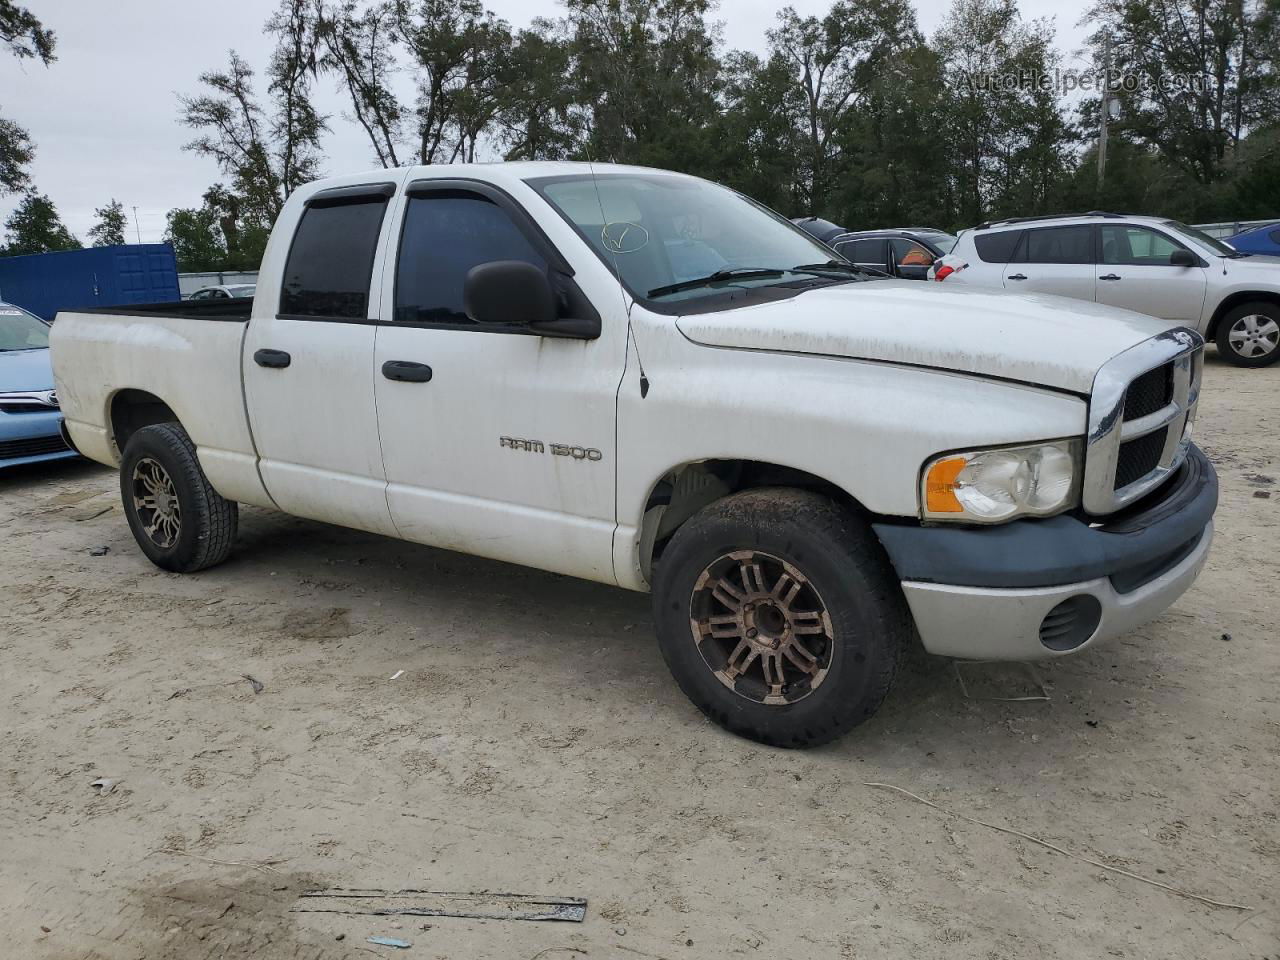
[(509, 292), (1183, 258)]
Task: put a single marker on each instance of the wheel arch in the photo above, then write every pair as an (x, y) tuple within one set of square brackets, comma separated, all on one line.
[(129, 410), (1234, 300), (684, 489)]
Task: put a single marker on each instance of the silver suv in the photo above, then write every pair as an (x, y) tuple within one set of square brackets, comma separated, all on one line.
[(1149, 264)]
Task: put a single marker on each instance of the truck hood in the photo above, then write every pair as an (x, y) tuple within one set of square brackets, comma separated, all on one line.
[(25, 370), (1039, 339)]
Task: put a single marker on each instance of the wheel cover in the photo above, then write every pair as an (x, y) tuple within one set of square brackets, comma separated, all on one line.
[(761, 627), (1254, 335), (155, 500)]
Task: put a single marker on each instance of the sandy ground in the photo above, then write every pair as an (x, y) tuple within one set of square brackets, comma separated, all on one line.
[(536, 744)]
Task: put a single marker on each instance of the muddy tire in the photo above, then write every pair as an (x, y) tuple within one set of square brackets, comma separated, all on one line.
[(1249, 335), (179, 520), (778, 614)]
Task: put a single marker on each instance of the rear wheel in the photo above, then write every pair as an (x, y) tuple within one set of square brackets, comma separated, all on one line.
[(1249, 335), (180, 522), (779, 616)]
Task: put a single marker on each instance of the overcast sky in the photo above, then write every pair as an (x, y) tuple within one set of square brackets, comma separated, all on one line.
[(104, 116)]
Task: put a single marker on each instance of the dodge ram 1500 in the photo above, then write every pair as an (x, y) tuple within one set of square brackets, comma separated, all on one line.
[(649, 380)]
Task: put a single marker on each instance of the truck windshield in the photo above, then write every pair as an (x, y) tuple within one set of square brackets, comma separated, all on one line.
[(20, 330), (672, 238)]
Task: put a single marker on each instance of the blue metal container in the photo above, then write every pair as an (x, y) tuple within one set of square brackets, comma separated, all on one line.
[(45, 283)]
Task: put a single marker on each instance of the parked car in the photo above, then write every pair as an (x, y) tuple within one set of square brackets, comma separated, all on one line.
[(224, 292), (30, 422), (904, 252), (645, 379), (1149, 264), (1264, 240)]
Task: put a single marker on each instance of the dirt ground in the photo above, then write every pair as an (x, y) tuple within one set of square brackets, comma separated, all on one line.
[(535, 743)]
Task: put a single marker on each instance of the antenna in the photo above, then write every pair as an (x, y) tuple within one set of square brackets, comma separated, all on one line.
[(617, 272), (137, 230)]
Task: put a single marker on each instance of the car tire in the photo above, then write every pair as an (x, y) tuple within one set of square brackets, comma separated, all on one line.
[(1249, 335), (181, 523), (779, 616)]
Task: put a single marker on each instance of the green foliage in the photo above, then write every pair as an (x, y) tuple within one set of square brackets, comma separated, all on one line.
[(34, 227), (221, 234), (26, 38), (109, 230), (851, 114)]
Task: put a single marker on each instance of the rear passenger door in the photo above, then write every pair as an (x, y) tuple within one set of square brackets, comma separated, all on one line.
[(308, 364), (1057, 260), (504, 447)]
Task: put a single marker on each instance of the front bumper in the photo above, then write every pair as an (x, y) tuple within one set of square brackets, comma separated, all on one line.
[(32, 438), (1036, 589)]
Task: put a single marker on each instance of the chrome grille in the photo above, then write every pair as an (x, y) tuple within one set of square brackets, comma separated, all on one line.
[(1140, 416)]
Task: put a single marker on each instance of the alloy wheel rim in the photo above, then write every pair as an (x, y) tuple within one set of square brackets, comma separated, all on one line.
[(1254, 335), (761, 627), (155, 500)]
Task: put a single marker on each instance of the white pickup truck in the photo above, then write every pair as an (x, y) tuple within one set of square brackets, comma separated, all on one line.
[(648, 380)]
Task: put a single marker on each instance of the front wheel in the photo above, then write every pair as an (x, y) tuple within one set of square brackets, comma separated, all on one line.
[(778, 615), (1249, 335), (181, 523)]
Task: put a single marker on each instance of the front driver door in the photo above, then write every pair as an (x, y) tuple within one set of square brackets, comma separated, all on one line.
[(496, 442), (1134, 272), (1057, 260)]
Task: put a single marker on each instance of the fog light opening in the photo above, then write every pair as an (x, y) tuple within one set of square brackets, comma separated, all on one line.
[(1071, 622)]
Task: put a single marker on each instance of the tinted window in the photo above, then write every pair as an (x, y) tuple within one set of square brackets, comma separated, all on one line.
[(445, 235), (908, 253), (1059, 245), (1136, 245), (997, 247), (330, 263), (871, 253), (1275, 235)]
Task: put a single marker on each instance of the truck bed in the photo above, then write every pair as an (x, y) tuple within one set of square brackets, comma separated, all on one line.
[(236, 309)]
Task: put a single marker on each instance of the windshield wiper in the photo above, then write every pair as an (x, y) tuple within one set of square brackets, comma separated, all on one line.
[(829, 265), (733, 273)]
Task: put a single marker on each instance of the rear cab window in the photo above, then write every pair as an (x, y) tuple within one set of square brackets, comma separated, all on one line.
[(329, 269)]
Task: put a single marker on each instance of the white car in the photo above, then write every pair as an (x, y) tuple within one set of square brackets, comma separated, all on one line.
[(1149, 264), (232, 291), (647, 380)]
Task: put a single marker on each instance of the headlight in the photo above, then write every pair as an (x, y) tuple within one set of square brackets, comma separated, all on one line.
[(990, 486)]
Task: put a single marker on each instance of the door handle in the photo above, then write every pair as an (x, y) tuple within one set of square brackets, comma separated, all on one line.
[(1018, 276), (406, 371), (1110, 276), (277, 359)]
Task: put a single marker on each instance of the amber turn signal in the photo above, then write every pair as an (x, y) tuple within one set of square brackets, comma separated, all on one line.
[(940, 485)]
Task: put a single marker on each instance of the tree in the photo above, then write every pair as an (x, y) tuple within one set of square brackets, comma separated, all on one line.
[(646, 80), (833, 61), (1006, 139), (34, 227), (266, 157), (26, 38), (109, 230), (358, 47), (197, 244), (1211, 72), (456, 52)]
